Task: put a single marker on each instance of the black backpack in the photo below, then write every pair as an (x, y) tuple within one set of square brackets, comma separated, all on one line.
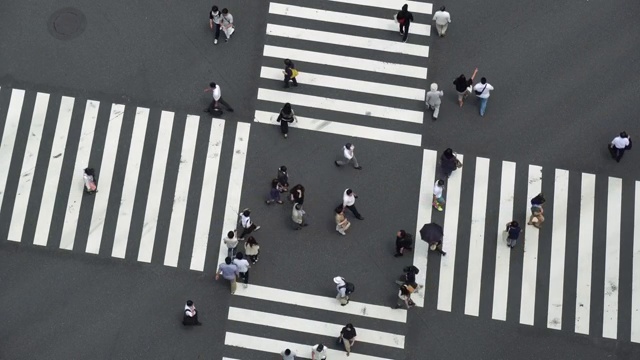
[(348, 288)]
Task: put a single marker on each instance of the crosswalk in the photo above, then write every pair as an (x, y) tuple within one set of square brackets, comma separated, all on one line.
[(357, 78), (580, 272), (156, 184)]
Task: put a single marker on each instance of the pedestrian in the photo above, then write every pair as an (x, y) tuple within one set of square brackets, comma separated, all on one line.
[(190, 316), (90, 183), (349, 201), (463, 87), (537, 218), (513, 232), (286, 117), (404, 241), (344, 290), (214, 107), (342, 224), (297, 194), (229, 271), (247, 225), (298, 217), (442, 19), (404, 18), (252, 249), (349, 157), (347, 337), (283, 179), (433, 100), (231, 240), (215, 18), (290, 73), (408, 276), (619, 144), (227, 24), (274, 193), (438, 198), (404, 297), (318, 352), (436, 245), (288, 355), (243, 268), (449, 162), (482, 91)]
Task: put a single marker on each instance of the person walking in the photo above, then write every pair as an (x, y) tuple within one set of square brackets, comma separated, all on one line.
[(408, 276), (286, 117), (318, 352), (229, 271), (247, 225), (438, 198), (463, 87), (482, 91), (297, 194), (214, 107), (537, 218), (404, 297), (274, 193), (252, 249), (190, 316), (433, 100), (449, 162), (436, 245), (404, 241), (227, 24), (342, 224), (288, 354), (243, 268), (349, 201), (283, 179), (348, 337), (513, 232), (619, 144), (298, 216), (290, 73), (215, 18), (344, 289), (442, 19), (231, 240), (349, 157), (404, 18)]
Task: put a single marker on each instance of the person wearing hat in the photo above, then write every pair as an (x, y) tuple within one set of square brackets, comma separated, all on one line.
[(190, 314), (349, 156), (318, 352), (343, 290), (619, 144), (433, 100)]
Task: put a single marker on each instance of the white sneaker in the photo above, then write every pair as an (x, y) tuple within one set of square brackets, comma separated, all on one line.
[(215, 41), (245, 285), (257, 228)]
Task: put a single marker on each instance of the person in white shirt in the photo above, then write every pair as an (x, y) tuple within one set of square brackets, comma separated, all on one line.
[(215, 17), (442, 19), (349, 156), (349, 201), (243, 268), (433, 100), (298, 216), (438, 199), (190, 314), (482, 91), (288, 355), (247, 226), (318, 352), (227, 24), (214, 107), (619, 144), (341, 286), (231, 240)]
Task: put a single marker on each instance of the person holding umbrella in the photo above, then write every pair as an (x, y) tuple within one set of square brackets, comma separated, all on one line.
[(432, 233)]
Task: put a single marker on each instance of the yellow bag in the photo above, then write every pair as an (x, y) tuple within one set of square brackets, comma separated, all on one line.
[(294, 73)]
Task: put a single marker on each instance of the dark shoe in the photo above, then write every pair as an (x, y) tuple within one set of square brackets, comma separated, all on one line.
[(358, 168), (295, 84), (360, 217), (336, 162), (286, 86), (230, 110), (198, 323), (443, 253), (397, 255), (207, 110)]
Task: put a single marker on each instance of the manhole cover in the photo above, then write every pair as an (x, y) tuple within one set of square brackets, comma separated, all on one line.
[(67, 23)]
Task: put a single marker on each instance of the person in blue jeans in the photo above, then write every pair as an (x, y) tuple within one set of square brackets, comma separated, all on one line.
[(482, 91)]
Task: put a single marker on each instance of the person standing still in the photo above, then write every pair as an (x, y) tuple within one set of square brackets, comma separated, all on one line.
[(404, 18), (342, 223), (298, 216), (513, 232), (348, 337), (215, 17), (537, 218), (227, 24), (243, 268), (619, 144), (274, 193), (349, 157), (190, 315), (482, 90), (403, 242), (442, 19), (290, 73), (229, 271), (349, 202), (433, 100), (231, 240), (462, 87), (214, 107), (438, 198), (286, 117)]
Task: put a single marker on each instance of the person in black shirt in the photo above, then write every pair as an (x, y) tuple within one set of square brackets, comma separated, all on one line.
[(403, 242), (513, 231), (404, 18), (448, 162), (462, 87), (290, 73), (286, 117), (348, 337)]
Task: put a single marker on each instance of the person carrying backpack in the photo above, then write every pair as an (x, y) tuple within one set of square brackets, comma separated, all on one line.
[(344, 290), (513, 231)]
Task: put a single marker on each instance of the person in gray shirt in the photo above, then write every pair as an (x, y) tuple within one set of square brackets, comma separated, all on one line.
[(229, 271), (433, 100)]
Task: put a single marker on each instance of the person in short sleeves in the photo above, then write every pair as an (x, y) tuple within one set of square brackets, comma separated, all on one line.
[(190, 314), (513, 232), (243, 268), (619, 144), (482, 91), (318, 352), (227, 24), (348, 337), (215, 18), (214, 106)]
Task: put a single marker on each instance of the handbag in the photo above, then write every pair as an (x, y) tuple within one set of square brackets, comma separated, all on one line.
[(628, 147), (478, 93)]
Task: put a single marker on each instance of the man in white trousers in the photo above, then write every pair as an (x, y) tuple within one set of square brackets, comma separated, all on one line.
[(442, 19)]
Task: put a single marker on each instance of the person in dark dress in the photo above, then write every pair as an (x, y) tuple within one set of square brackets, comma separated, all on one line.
[(286, 117)]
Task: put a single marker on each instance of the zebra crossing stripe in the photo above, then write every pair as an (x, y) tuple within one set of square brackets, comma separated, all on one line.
[(414, 6), (54, 171), (635, 287), (28, 167), (612, 259), (9, 137), (585, 253), (530, 257), (396, 46), (345, 18), (76, 188), (558, 249)]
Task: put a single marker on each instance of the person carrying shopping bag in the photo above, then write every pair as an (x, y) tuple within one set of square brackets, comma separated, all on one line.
[(227, 24)]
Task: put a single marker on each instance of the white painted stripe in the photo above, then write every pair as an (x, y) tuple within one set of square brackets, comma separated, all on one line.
[(181, 195), (347, 62), (503, 252), (277, 346), (415, 7), (530, 256), (322, 303), (396, 47), (447, 263), (234, 191), (54, 170), (612, 260), (350, 107), (76, 190), (345, 18), (558, 249), (9, 137), (313, 327), (210, 177), (635, 287), (226, 358), (476, 237), (585, 253), (134, 163), (28, 167), (105, 176), (335, 82), (343, 129), (156, 183), (420, 247)]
